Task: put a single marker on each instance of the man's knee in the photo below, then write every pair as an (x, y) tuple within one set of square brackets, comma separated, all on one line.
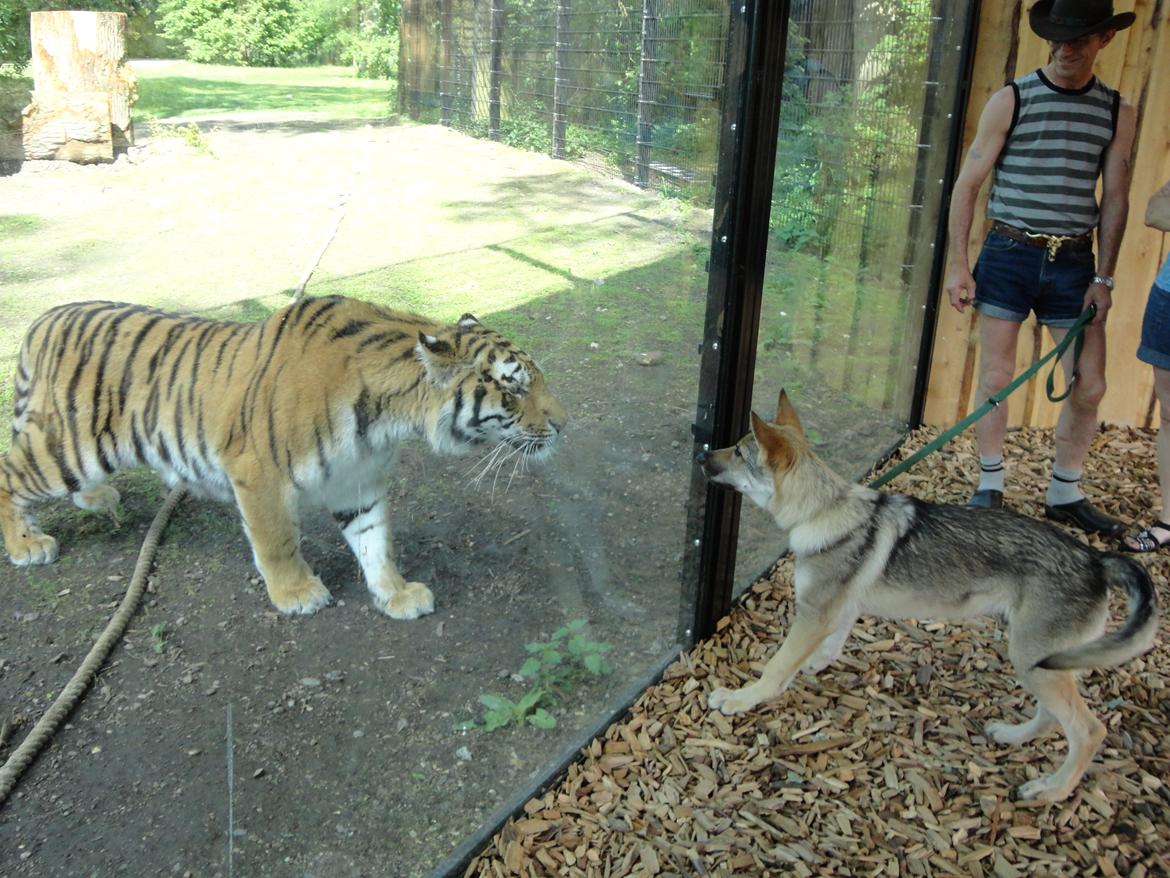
[(1088, 391), (994, 377)]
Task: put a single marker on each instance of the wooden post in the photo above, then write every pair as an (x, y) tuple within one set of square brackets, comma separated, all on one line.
[(647, 91), (82, 88), (561, 79)]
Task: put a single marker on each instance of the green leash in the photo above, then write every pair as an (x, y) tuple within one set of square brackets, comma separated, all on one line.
[(1075, 334)]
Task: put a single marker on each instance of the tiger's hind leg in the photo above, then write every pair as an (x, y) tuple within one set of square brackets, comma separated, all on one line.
[(366, 528), (22, 482)]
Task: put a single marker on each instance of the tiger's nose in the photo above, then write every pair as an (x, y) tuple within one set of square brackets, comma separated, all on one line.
[(702, 457)]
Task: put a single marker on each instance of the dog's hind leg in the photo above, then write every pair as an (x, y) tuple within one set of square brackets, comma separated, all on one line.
[(1057, 694), (1019, 733), (805, 636)]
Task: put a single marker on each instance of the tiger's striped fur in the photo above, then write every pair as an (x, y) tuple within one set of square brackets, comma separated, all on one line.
[(309, 403)]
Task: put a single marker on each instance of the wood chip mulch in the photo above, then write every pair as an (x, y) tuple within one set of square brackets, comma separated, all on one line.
[(878, 765)]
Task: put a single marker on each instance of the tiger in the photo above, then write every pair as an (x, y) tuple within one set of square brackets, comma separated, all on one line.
[(307, 404)]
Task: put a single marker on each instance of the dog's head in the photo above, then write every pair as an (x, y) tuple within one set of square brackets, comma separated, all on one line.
[(755, 464)]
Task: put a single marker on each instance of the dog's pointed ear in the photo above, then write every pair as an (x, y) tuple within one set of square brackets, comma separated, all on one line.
[(775, 449), (759, 426), (786, 415)]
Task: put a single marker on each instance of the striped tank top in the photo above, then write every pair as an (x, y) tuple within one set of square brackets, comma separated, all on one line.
[(1046, 176)]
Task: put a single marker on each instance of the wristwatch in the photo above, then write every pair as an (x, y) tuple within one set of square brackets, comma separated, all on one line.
[(1103, 280)]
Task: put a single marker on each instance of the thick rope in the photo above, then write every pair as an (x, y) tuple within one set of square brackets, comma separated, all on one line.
[(48, 724)]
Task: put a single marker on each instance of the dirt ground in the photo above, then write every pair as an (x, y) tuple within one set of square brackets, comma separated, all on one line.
[(224, 738)]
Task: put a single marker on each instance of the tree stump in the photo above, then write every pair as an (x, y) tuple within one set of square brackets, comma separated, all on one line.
[(82, 87)]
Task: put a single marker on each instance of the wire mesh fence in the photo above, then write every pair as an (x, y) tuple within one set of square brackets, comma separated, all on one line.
[(865, 136), (630, 88), (636, 88)]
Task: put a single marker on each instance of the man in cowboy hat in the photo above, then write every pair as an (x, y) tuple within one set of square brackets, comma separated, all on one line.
[(1048, 135)]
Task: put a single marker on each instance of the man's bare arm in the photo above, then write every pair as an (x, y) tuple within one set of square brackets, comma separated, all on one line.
[(990, 137), (1115, 190), (1114, 207)]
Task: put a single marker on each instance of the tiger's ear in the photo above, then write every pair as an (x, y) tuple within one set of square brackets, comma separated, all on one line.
[(467, 321), (439, 359), (786, 415)]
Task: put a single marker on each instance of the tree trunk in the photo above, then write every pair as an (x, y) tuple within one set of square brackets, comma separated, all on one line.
[(82, 87)]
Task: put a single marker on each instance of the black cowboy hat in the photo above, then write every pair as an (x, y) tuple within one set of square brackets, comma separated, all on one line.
[(1062, 20)]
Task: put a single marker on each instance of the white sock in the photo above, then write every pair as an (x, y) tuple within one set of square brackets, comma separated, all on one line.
[(1064, 487), (991, 473)]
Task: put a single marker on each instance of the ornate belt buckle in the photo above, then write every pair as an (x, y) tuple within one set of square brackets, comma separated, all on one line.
[(1053, 244)]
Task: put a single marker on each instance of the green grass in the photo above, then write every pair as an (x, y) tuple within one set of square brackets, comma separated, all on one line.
[(14, 97), (183, 89)]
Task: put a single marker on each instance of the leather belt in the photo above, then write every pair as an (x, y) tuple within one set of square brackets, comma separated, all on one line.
[(1053, 243)]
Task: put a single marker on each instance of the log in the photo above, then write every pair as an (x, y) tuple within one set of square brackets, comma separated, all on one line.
[(82, 87)]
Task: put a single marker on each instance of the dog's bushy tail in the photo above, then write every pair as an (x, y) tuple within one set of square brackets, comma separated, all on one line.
[(1131, 639)]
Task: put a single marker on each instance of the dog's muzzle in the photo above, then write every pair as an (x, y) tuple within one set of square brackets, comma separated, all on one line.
[(705, 460)]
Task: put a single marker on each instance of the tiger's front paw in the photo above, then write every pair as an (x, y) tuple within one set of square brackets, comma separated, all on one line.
[(303, 596), (99, 498), (409, 602), (32, 547), (731, 701)]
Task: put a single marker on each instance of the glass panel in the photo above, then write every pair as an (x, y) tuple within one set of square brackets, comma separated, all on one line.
[(346, 742), (863, 145)]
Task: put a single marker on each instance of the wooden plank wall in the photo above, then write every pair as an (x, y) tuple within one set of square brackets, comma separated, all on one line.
[(1137, 63)]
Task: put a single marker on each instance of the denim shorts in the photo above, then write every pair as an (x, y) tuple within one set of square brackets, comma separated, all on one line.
[(1155, 345), (1013, 279)]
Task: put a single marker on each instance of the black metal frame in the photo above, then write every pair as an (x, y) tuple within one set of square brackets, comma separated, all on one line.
[(955, 147), (757, 42)]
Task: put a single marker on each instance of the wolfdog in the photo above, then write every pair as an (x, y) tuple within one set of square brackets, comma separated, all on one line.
[(858, 550)]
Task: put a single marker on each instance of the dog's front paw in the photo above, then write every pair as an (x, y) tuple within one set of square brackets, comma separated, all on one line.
[(409, 602), (731, 701), (1044, 789), (1004, 733), (304, 596)]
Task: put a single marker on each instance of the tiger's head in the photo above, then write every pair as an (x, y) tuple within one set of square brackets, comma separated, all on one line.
[(495, 393)]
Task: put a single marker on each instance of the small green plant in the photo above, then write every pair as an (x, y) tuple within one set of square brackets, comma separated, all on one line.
[(194, 138), (158, 637), (553, 666), (188, 133)]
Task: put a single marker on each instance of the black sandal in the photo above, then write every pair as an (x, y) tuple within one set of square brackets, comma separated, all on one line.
[(1145, 541)]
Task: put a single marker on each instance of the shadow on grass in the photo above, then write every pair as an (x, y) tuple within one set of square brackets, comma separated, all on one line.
[(535, 288), (13, 224), (62, 262)]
